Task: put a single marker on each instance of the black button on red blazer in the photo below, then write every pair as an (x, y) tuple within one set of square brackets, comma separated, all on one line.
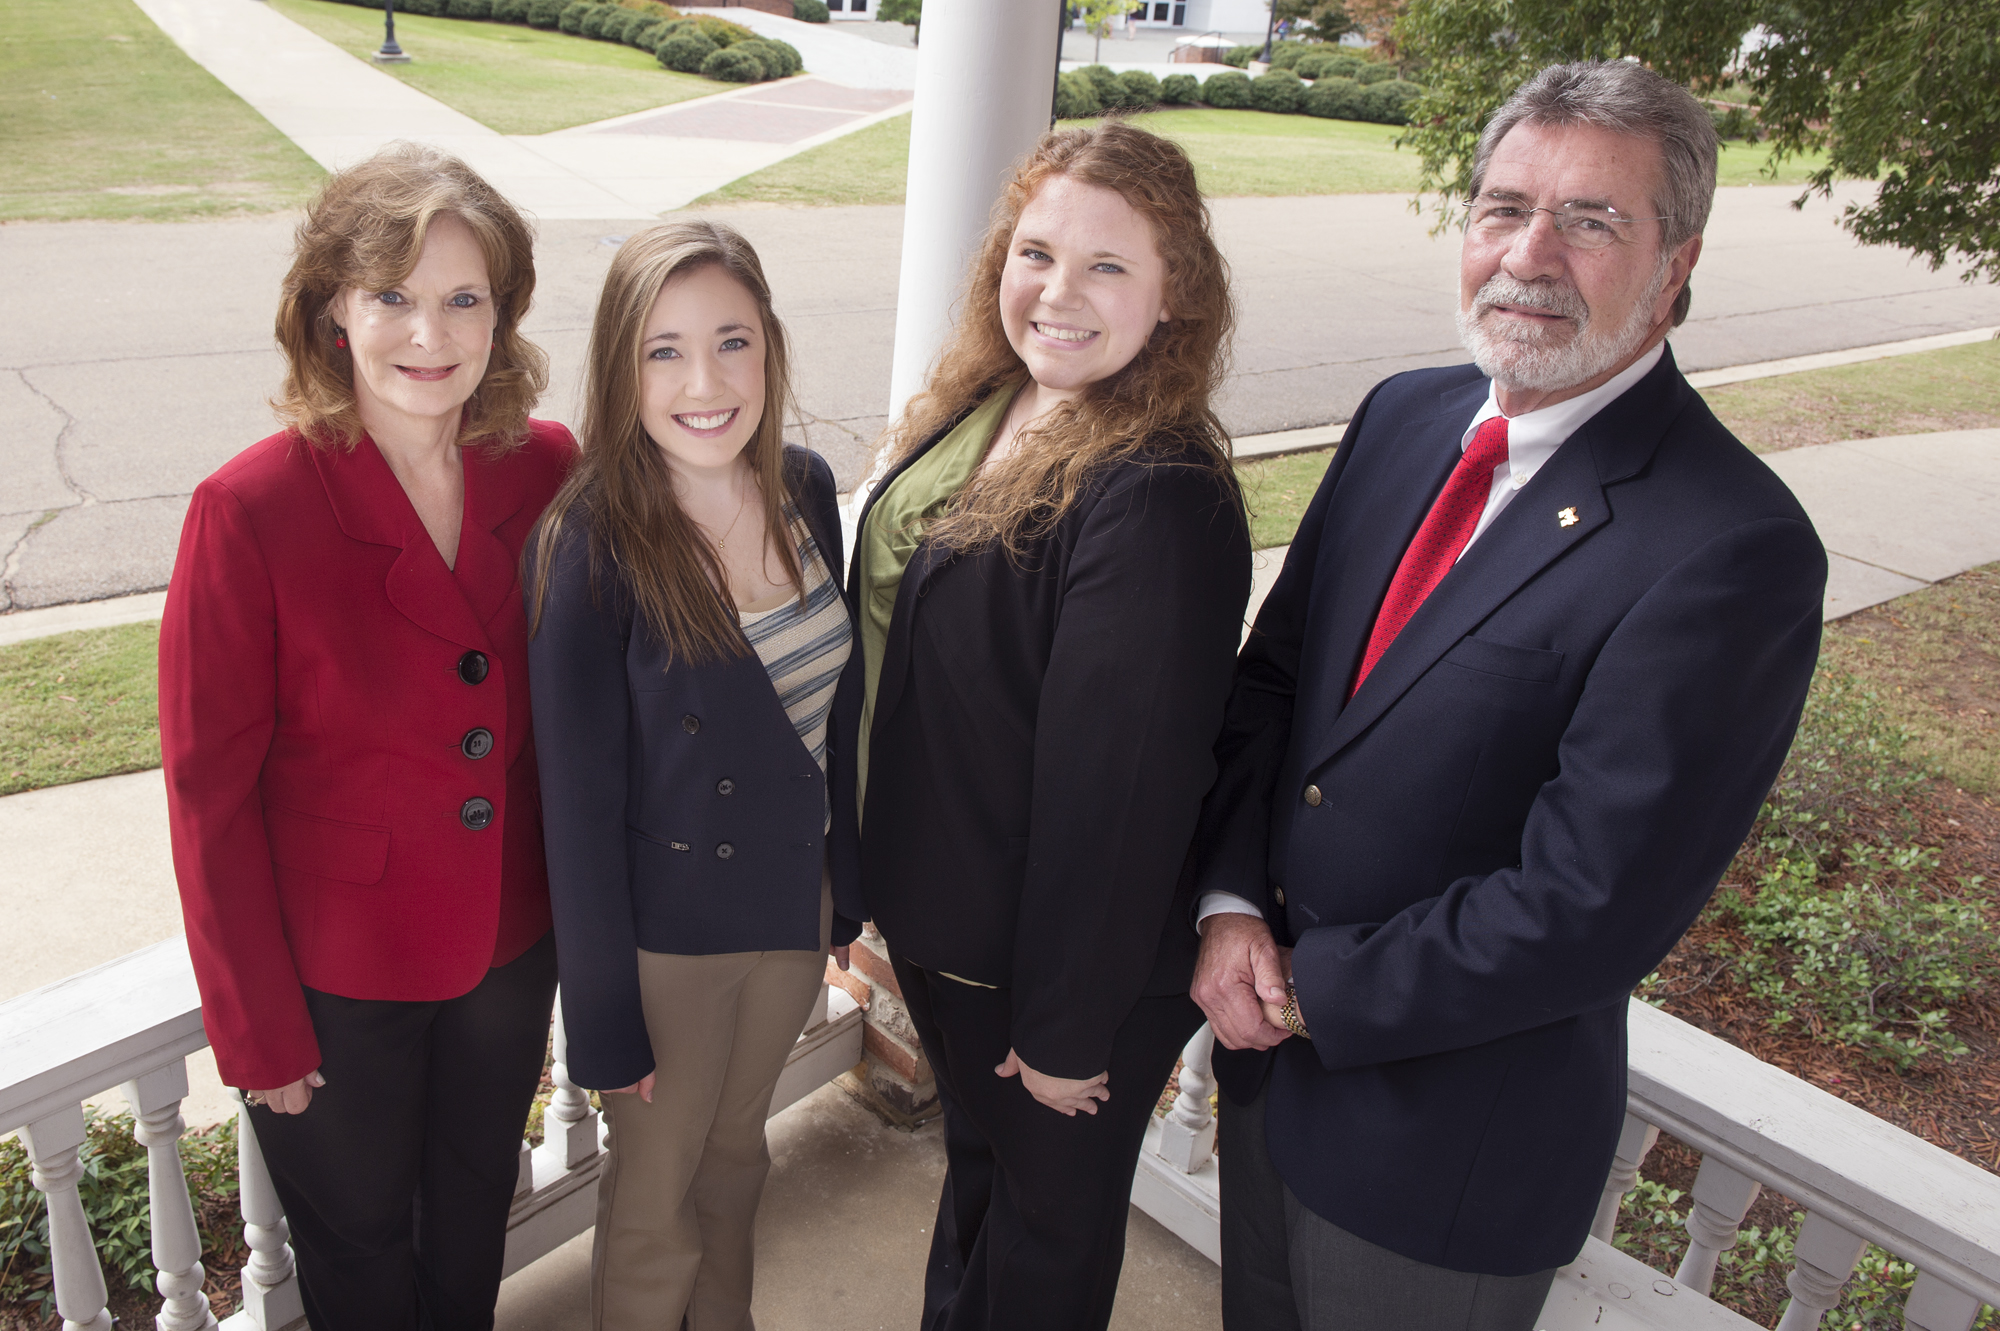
[(320, 671)]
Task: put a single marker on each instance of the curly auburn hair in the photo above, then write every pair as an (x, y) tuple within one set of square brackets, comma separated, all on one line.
[(365, 231), (1164, 390)]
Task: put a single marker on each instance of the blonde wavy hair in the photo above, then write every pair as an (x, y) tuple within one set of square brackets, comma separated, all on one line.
[(365, 231), (1165, 390), (621, 489)]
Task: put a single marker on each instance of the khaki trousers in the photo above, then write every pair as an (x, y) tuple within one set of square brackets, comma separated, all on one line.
[(677, 1201)]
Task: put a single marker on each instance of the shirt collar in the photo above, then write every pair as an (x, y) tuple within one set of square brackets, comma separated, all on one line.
[(1534, 436)]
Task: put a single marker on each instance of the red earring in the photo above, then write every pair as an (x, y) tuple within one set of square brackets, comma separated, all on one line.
[(340, 341)]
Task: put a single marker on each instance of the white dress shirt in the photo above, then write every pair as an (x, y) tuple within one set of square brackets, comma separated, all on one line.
[(1532, 439)]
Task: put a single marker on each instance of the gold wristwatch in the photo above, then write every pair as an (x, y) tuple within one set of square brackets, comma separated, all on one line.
[(1289, 1014)]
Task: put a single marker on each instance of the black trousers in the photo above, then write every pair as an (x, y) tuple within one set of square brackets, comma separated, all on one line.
[(1031, 1220), (397, 1179), (1285, 1268)]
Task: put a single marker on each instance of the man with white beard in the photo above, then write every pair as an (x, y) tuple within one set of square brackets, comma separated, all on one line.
[(1534, 659)]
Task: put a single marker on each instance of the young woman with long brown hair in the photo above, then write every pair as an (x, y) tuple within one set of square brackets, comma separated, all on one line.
[(688, 634), (1050, 585)]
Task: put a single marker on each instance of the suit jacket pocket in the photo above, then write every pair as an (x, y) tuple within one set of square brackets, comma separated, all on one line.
[(1507, 660), (350, 852)]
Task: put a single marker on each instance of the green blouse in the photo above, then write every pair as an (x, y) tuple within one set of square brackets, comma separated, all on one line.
[(889, 540)]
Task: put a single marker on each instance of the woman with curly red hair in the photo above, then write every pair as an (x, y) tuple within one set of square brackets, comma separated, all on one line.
[(1049, 585)]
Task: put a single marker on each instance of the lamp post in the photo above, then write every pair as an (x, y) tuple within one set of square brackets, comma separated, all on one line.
[(390, 54), (1270, 28)]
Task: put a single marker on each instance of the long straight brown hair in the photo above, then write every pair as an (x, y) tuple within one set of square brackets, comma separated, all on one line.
[(1166, 389), (621, 488)]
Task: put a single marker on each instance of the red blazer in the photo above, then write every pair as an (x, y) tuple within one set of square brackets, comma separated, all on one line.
[(322, 705)]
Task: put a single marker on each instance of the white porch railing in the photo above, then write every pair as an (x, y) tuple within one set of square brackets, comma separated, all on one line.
[(1859, 1179), (130, 1025)]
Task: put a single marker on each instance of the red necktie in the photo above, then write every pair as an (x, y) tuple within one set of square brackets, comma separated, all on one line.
[(1439, 542)]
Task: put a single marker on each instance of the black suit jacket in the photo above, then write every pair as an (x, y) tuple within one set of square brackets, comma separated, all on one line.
[(1043, 735), (1526, 803), (681, 811)]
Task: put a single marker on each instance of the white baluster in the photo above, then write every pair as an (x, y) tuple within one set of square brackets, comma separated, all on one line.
[(1936, 1305), (156, 1111), (52, 1144), (1634, 1140), (1722, 1197), (524, 1176), (1826, 1256), (270, 1281), (1187, 1136), (569, 1124)]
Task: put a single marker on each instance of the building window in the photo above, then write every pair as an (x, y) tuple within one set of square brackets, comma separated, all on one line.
[(833, 5), (1160, 13), (1180, 15)]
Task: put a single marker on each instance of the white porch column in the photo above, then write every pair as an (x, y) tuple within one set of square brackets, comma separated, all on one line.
[(985, 86)]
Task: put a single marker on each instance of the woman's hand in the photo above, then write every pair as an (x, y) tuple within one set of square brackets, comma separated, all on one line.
[(643, 1086), (841, 954), (291, 1099), (1058, 1093)]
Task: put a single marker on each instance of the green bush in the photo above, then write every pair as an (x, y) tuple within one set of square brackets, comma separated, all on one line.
[(1286, 55), (1180, 89), (545, 13), (643, 33), (1325, 64), (1076, 96), (684, 51), (428, 8), (810, 11), (733, 66), (1141, 89), (510, 11), (1374, 71), (1734, 122), (1110, 92), (113, 1190), (1277, 90), (1389, 103), (1335, 99), (596, 18), (573, 14), (1241, 56), (1230, 90), (720, 31), (473, 9), (780, 60)]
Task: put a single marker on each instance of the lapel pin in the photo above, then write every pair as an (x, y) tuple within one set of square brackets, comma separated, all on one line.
[(1566, 517)]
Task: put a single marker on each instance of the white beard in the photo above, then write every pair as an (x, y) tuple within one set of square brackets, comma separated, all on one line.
[(1545, 360)]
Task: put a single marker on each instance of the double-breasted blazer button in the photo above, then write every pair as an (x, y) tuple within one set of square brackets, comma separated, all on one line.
[(1278, 895), (724, 851), (476, 813), (725, 787), (1313, 796), (478, 742), (690, 723), (472, 667)]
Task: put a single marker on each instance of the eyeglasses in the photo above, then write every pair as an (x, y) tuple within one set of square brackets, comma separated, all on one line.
[(1582, 226)]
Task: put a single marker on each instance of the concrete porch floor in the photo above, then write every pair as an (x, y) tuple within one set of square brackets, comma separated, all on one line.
[(843, 1233)]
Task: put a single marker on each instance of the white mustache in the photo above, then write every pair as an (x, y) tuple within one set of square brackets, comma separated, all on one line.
[(1503, 290)]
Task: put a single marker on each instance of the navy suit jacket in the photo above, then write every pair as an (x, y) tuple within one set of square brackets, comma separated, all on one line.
[(1520, 811), (681, 811)]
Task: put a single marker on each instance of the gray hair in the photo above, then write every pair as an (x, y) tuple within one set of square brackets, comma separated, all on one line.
[(1625, 98)]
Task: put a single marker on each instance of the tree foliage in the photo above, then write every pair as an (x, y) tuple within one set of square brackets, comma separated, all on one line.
[(1906, 92)]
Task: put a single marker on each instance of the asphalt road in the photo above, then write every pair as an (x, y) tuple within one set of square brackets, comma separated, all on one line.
[(136, 358)]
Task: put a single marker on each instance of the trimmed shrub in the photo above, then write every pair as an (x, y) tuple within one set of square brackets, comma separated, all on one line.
[(780, 60), (1076, 96), (733, 66), (596, 17), (432, 8), (1180, 89), (1141, 89), (1230, 91), (1110, 92), (571, 20), (1286, 55), (1278, 90), (1389, 103), (1241, 56), (809, 11), (1334, 99), (720, 31), (643, 33), (474, 9), (1373, 72), (510, 11), (1325, 64), (545, 13), (684, 51)]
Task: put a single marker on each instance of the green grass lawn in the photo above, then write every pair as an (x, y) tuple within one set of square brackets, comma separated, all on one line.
[(1954, 389), (102, 116), (79, 705), (1277, 491), (867, 166), (515, 79)]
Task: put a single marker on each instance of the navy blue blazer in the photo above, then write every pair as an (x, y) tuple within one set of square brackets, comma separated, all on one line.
[(1524, 806), (681, 811)]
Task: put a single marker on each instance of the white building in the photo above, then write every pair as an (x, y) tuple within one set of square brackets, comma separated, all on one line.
[(1192, 15)]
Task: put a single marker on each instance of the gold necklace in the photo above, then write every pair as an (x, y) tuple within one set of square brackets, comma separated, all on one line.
[(741, 504)]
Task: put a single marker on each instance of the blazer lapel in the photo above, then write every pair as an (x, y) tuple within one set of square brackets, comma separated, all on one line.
[(1555, 512), (486, 576), (923, 564)]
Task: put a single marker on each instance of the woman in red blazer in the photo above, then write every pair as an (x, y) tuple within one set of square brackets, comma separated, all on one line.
[(350, 763)]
